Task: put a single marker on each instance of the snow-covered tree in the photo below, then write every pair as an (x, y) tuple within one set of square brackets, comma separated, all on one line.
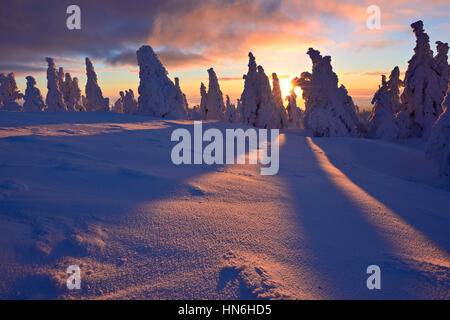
[(180, 93), (33, 98), (330, 111), (66, 87), (195, 113), (438, 146), (257, 103), (278, 100), (94, 95), (422, 96), (203, 98), (441, 59), (214, 105), (295, 114), (118, 105), (10, 93), (130, 104), (75, 98), (230, 111), (4, 89), (239, 112), (158, 95), (383, 123), (382, 120), (55, 98), (60, 74)]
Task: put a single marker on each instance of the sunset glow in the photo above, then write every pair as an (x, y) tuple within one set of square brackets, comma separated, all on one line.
[(191, 41)]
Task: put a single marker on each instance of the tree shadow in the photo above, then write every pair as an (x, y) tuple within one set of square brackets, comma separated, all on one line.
[(422, 206), (341, 239)]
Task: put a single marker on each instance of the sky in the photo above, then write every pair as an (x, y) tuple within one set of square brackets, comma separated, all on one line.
[(190, 36)]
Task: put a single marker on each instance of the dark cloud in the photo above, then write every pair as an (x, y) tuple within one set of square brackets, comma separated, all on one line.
[(185, 33), (19, 69)]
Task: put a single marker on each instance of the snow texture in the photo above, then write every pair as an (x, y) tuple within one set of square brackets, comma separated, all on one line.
[(33, 98), (424, 90), (94, 96), (105, 196), (158, 95), (330, 111)]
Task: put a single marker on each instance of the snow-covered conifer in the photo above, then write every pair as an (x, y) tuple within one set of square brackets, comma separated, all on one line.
[(215, 107), (230, 111), (158, 95), (258, 106), (278, 100), (422, 96), (441, 59), (438, 146), (203, 98), (295, 114), (330, 111), (10, 93), (118, 105), (33, 98), (55, 98), (75, 98), (94, 96), (383, 122), (130, 104), (195, 113)]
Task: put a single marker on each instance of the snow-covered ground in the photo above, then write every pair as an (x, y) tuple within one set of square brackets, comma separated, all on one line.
[(99, 190)]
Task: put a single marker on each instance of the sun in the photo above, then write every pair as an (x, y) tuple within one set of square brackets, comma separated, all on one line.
[(286, 87)]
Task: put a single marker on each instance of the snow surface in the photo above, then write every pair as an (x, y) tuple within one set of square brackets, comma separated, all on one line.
[(98, 190)]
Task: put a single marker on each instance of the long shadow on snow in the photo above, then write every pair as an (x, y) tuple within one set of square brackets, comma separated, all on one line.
[(343, 242)]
